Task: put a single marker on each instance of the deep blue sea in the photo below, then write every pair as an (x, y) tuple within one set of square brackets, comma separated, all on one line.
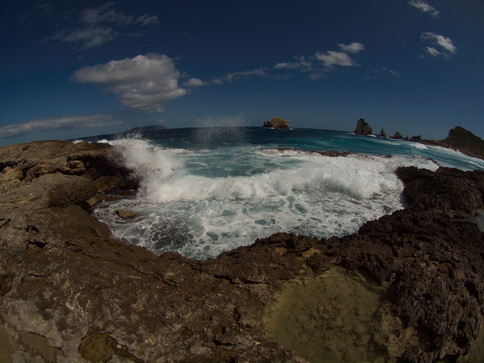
[(209, 190)]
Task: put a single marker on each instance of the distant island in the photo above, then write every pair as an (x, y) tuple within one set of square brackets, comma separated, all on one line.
[(277, 123), (458, 139)]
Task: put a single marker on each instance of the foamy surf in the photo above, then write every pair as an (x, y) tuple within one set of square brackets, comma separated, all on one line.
[(206, 201)]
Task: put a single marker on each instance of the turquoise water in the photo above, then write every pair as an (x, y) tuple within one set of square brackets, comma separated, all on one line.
[(209, 190)]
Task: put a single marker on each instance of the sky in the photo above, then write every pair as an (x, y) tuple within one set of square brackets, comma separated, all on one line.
[(71, 69)]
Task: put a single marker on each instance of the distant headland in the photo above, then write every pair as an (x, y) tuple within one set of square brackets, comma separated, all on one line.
[(458, 139)]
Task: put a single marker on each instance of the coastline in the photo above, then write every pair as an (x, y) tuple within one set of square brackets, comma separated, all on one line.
[(70, 290)]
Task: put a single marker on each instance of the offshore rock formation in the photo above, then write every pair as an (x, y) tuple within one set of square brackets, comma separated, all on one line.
[(277, 123), (69, 291), (362, 127)]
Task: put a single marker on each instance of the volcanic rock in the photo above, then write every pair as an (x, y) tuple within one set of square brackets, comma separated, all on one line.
[(277, 123), (70, 291), (362, 127)]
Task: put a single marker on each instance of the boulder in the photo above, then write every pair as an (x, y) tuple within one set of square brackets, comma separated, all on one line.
[(362, 127), (383, 133), (126, 214), (398, 136), (277, 123)]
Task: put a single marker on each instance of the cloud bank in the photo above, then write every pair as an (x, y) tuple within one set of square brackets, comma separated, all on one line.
[(97, 26), (145, 82), (57, 123)]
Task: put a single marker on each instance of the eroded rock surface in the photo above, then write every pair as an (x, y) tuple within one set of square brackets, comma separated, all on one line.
[(70, 292)]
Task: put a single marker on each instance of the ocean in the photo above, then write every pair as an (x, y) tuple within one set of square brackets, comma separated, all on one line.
[(209, 190)]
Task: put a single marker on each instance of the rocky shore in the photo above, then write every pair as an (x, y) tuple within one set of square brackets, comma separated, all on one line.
[(70, 292)]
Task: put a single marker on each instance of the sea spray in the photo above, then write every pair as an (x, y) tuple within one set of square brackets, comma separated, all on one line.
[(206, 200)]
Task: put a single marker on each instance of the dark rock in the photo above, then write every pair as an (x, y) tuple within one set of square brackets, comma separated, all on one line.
[(398, 136), (76, 292), (362, 127), (383, 133), (277, 123)]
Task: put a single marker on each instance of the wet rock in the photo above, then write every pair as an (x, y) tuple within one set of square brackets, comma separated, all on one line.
[(446, 190)]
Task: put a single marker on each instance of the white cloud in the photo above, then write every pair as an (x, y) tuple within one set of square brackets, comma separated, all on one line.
[(424, 7), (301, 64), (446, 46), (57, 123), (332, 58), (90, 37), (384, 72), (433, 52), (323, 62), (106, 14), (96, 26), (194, 83), (145, 82), (258, 72), (352, 48)]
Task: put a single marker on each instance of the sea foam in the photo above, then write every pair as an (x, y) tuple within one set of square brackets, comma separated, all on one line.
[(203, 202)]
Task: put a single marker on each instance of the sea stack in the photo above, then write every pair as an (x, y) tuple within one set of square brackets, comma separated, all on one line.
[(277, 123), (362, 127)]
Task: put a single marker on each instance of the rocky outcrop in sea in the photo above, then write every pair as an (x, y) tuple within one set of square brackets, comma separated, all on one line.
[(277, 123), (362, 127), (407, 287)]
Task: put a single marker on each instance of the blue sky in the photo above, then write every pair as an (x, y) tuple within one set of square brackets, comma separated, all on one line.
[(78, 68)]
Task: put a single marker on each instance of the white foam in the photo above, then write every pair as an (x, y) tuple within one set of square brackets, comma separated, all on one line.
[(183, 208), (418, 145), (153, 165)]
